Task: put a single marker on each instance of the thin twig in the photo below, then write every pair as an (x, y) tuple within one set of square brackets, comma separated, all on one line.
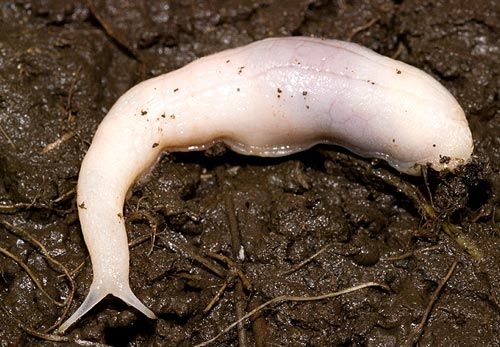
[(115, 36), (259, 327), (187, 251), (20, 205), (51, 337), (31, 275), (153, 224), (304, 262), (8, 138), (71, 91), (74, 271), (65, 195), (236, 246), (65, 137), (216, 297), (240, 312), (139, 240), (10, 208), (233, 267), (413, 339), (15, 207), (285, 298), (463, 240), (360, 28), (399, 49), (411, 253), (152, 221), (233, 222), (41, 248), (426, 181)]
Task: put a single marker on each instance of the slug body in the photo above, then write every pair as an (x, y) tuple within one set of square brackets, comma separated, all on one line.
[(271, 98)]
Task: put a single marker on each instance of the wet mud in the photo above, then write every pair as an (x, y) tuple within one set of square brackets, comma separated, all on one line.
[(309, 224)]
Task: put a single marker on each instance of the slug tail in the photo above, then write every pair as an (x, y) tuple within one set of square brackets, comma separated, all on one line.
[(128, 297), (95, 295)]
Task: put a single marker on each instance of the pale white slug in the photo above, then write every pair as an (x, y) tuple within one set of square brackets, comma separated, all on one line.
[(269, 98)]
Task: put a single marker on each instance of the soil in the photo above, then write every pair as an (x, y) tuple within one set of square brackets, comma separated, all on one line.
[(64, 63)]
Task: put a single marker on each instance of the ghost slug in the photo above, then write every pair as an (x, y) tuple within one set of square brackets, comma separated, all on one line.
[(270, 98)]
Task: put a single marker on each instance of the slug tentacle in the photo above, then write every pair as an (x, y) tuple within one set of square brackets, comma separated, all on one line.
[(270, 98)]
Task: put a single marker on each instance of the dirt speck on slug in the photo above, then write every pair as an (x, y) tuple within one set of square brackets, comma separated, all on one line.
[(444, 159), (65, 71)]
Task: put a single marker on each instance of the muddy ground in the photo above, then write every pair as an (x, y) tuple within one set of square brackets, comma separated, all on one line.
[(64, 63)]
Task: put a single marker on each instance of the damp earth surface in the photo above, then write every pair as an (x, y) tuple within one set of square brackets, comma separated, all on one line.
[(214, 234)]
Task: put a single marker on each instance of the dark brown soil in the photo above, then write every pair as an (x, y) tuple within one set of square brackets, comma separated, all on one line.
[(64, 63)]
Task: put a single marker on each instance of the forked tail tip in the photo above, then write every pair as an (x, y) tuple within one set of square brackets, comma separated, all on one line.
[(96, 294), (127, 296)]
